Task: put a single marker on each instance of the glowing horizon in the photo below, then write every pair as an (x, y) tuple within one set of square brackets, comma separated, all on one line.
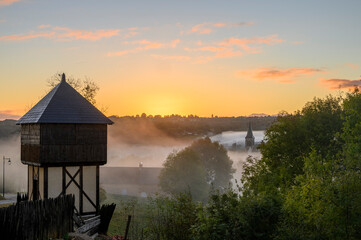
[(185, 57)]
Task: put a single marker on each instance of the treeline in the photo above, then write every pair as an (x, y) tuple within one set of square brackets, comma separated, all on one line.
[(174, 126), (182, 126)]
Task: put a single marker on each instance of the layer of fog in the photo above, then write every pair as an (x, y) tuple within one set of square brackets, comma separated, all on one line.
[(15, 172), (133, 141), (154, 154), (227, 139), (127, 150)]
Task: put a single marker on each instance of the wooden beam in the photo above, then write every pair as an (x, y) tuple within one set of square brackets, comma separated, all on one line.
[(72, 178), (28, 182), (63, 192), (45, 182), (77, 184), (97, 189), (81, 190)]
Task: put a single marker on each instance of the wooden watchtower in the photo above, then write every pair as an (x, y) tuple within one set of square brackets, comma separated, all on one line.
[(63, 142)]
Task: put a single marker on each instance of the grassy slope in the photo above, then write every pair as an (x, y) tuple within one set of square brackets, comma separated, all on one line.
[(127, 205)]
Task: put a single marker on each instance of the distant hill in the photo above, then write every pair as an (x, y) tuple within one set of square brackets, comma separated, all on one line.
[(8, 129), (156, 129)]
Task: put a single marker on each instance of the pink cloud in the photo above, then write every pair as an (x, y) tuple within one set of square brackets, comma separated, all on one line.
[(244, 43), (201, 29), (7, 2), (353, 66), (130, 34), (207, 27), (341, 83), (280, 75), (8, 114), (67, 34), (233, 47), (174, 43), (146, 44), (42, 26), (63, 34)]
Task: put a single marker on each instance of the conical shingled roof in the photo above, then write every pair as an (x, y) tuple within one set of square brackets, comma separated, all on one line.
[(249, 132), (63, 104)]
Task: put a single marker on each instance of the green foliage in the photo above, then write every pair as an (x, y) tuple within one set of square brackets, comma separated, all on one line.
[(230, 216), (292, 138), (196, 169), (158, 217), (183, 172), (311, 162), (170, 217)]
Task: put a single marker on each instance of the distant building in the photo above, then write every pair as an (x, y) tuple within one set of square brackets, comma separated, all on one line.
[(249, 138)]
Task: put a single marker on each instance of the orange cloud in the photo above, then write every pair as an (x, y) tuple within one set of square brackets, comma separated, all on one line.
[(205, 49), (7, 2), (121, 53), (280, 75), (146, 44), (42, 26), (143, 45), (177, 58), (63, 34), (31, 35), (341, 83), (207, 27)]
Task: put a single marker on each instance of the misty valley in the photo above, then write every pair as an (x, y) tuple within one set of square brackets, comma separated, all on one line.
[(137, 140)]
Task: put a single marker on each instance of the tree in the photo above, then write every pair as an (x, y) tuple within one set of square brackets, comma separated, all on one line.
[(292, 138), (86, 87), (300, 166), (325, 201), (198, 168), (216, 161), (184, 172)]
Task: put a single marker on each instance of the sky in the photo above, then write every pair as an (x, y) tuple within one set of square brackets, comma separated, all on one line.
[(227, 58)]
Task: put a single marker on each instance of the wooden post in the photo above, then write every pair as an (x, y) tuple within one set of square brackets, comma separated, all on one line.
[(127, 228)]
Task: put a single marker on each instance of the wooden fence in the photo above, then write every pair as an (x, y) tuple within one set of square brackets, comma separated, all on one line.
[(42, 219)]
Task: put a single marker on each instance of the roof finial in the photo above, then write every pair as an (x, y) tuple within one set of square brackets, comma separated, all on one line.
[(63, 77)]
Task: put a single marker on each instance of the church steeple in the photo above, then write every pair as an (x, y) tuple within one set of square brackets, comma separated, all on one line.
[(249, 139)]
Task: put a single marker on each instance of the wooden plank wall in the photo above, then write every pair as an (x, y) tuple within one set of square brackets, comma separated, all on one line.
[(64, 144)]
